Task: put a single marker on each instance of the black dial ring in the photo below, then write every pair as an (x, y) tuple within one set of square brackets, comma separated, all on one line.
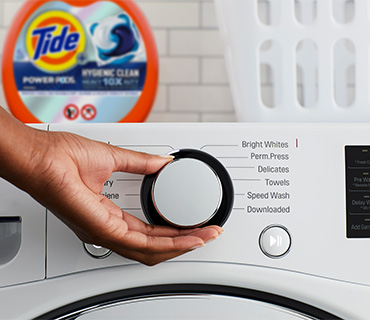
[(224, 210)]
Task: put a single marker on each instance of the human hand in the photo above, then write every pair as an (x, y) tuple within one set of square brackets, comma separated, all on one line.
[(67, 176)]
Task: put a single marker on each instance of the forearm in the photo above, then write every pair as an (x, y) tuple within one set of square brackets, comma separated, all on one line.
[(20, 150)]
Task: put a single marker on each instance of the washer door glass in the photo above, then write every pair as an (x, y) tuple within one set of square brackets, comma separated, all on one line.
[(189, 306)]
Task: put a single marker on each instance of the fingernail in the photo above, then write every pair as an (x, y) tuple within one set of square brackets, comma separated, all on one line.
[(197, 247), (167, 156), (210, 240)]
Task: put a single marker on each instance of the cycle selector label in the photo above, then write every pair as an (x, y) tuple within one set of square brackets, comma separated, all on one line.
[(268, 187)]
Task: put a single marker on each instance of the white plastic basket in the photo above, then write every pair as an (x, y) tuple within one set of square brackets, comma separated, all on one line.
[(297, 60)]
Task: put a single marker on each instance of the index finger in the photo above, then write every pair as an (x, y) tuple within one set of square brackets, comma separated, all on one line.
[(138, 162)]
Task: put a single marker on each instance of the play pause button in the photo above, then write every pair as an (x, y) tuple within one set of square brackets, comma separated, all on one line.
[(275, 241)]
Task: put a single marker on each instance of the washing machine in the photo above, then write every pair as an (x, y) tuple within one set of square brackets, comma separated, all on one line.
[(296, 242)]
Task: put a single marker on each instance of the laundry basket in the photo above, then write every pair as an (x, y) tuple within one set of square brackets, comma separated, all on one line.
[(297, 60)]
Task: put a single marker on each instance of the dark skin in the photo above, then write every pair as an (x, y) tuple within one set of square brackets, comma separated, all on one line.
[(66, 173)]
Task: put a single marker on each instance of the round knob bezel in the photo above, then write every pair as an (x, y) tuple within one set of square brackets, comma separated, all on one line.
[(226, 204)]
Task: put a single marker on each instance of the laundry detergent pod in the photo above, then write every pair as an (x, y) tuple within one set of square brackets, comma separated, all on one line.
[(80, 61)]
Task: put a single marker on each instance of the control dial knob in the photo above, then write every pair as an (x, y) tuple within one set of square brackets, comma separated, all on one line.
[(193, 190)]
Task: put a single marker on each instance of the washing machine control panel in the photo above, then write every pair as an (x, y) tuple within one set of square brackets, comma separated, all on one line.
[(290, 197)]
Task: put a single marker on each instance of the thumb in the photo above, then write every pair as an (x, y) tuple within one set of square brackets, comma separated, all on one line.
[(138, 162)]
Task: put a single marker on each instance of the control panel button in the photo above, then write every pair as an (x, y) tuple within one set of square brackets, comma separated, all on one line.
[(194, 190), (97, 252), (187, 192), (275, 241)]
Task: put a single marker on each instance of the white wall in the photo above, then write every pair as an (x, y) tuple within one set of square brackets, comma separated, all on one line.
[(193, 81)]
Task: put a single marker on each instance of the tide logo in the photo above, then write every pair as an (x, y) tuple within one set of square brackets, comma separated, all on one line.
[(54, 40)]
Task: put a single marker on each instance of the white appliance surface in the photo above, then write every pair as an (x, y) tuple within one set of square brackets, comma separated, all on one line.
[(299, 228)]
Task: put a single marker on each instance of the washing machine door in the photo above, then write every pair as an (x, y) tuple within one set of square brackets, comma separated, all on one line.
[(216, 302), (191, 307)]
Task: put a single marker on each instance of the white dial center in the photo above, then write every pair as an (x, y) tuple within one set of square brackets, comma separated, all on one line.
[(187, 192)]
